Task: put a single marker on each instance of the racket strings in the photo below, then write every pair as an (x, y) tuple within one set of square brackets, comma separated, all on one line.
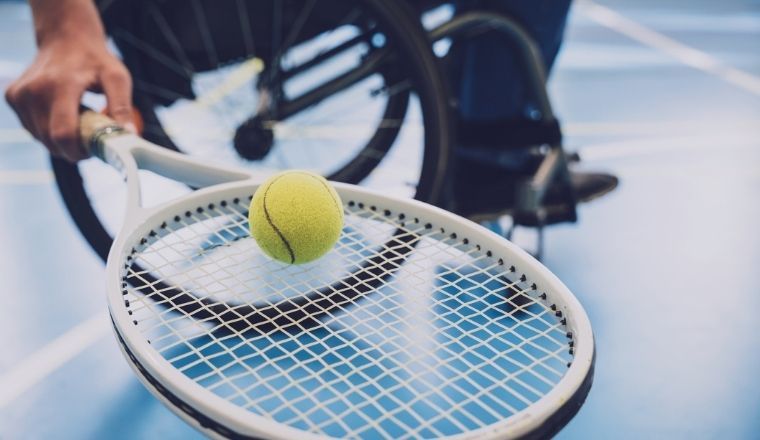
[(331, 297), (450, 338)]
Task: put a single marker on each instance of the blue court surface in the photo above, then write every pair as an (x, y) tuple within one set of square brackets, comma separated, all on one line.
[(665, 94)]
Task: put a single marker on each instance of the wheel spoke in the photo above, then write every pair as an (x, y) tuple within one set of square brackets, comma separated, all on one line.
[(208, 39), (245, 27)]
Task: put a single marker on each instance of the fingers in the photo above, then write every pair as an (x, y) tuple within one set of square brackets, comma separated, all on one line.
[(117, 86), (47, 107), (12, 97), (27, 97), (46, 97), (63, 129)]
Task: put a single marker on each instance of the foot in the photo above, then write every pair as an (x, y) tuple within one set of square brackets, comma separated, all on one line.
[(482, 192)]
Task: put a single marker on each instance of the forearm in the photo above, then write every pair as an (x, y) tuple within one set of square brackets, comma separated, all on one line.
[(56, 19)]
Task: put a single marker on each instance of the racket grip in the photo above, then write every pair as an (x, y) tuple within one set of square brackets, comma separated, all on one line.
[(93, 127)]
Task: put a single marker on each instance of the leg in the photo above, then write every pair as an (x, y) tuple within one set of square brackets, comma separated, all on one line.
[(484, 64), (502, 127)]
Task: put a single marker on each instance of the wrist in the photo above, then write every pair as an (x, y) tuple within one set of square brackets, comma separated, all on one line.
[(67, 36), (66, 20)]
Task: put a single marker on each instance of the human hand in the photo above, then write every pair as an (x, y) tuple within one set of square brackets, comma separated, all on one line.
[(46, 97)]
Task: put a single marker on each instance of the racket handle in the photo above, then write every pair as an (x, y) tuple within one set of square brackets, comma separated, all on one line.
[(93, 127)]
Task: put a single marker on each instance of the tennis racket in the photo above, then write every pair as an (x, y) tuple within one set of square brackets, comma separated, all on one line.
[(418, 324)]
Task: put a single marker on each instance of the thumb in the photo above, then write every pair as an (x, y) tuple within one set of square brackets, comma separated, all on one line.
[(117, 85)]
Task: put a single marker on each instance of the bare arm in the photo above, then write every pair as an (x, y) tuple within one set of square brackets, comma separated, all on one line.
[(72, 57)]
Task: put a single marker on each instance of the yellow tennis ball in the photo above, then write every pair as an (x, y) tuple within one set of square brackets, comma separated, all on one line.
[(296, 217)]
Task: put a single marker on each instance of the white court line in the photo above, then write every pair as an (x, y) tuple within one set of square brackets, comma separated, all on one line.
[(683, 53), (658, 127), (25, 177), (52, 356), (660, 145)]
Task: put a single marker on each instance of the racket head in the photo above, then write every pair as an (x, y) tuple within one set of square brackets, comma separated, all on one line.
[(470, 336)]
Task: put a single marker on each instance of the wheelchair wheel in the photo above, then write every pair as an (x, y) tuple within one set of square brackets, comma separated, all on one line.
[(337, 87)]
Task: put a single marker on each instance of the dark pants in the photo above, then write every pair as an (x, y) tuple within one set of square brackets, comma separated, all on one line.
[(487, 81)]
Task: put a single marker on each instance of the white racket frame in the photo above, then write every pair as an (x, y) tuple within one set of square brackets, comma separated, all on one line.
[(128, 153)]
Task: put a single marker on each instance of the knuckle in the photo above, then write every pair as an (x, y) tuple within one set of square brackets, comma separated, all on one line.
[(117, 74), (11, 94), (58, 80), (34, 89), (51, 84), (74, 82)]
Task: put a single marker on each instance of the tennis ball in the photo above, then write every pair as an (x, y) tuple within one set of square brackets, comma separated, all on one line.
[(296, 216)]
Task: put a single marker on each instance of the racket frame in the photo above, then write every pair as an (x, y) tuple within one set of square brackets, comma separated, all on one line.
[(217, 417)]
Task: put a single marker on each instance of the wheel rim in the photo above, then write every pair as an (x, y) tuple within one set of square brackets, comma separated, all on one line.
[(80, 200)]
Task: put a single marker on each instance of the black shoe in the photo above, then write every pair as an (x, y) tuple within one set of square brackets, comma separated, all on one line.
[(587, 186), (482, 192), (558, 207), (496, 159)]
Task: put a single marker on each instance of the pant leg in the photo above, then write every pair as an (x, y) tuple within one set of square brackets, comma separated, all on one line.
[(487, 81)]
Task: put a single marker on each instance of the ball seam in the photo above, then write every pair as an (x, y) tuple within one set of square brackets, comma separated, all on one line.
[(271, 223), (327, 188)]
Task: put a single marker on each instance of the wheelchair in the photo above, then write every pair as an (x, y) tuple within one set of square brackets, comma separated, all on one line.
[(350, 89)]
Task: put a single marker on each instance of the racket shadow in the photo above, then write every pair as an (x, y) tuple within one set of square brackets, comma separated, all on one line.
[(393, 346)]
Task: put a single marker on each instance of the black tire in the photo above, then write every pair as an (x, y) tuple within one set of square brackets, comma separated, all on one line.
[(402, 25)]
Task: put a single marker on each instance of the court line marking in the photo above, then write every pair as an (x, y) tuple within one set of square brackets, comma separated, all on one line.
[(40, 364), (683, 53), (26, 177), (657, 127), (658, 145)]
